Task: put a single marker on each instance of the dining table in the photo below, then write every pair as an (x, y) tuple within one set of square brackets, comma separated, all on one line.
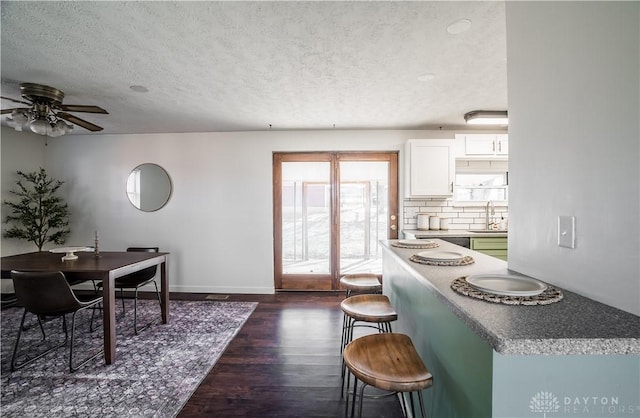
[(104, 266)]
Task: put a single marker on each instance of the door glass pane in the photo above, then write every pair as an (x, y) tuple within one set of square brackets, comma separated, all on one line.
[(306, 220), (364, 215)]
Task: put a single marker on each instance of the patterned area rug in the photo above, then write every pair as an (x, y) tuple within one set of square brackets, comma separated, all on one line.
[(155, 372)]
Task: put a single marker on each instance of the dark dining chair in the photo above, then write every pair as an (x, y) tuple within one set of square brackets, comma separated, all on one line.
[(7, 300), (135, 281), (48, 294), (75, 279)]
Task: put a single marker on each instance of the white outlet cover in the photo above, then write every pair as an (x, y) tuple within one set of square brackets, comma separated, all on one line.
[(567, 231)]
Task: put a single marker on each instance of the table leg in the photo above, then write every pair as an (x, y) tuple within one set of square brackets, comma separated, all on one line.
[(109, 317), (164, 290)]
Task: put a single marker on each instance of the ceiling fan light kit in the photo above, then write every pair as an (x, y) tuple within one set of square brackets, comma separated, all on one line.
[(45, 114), (487, 117), (39, 123), (47, 126)]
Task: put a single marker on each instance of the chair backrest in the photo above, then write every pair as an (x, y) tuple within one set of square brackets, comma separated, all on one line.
[(149, 272), (44, 293)]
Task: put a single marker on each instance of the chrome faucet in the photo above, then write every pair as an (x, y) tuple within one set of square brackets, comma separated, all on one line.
[(486, 214)]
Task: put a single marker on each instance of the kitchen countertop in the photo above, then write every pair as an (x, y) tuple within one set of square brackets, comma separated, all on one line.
[(418, 233), (575, 325)]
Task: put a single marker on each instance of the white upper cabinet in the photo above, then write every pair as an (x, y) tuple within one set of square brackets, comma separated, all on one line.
[(430, 167), (483, 145)]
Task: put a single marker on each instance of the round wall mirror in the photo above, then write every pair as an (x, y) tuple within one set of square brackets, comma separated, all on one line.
[(148, 187)]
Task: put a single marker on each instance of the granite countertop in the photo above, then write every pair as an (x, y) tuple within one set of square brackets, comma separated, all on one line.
[(419, 233), (575, 325)]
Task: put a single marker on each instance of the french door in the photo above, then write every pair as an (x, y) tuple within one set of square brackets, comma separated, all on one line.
[(330, 211)]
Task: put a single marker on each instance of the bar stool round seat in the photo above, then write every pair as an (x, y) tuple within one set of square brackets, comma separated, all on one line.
[(389, 362), (361, 283), (372, 308)]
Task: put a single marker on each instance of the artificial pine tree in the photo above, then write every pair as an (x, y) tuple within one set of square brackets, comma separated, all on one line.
[(40, 216)]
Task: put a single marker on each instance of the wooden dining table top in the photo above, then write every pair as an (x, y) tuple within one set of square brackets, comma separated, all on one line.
[(87, 262)]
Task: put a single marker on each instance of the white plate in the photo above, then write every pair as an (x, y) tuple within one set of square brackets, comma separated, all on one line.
[(415, 242), (506, 284), (440, 256)]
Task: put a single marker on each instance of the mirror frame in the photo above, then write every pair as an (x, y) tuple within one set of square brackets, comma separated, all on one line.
[(138, 167)]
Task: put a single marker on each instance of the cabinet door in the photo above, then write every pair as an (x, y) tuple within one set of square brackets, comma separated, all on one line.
[(488, 243), (495, 247), (502, 144), (480, 144), (431, 167)]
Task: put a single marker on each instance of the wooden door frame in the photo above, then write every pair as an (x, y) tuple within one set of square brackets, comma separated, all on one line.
[(326, 281)]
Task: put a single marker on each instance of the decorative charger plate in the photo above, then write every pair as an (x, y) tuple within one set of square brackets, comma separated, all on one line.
[(415, 243), (548, 296), (458, 262), (506, 284), (440, 256)]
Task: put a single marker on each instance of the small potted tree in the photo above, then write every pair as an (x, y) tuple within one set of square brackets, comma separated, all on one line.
[(38, 215)]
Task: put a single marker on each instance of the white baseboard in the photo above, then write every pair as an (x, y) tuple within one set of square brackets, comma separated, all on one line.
[(223, 289)]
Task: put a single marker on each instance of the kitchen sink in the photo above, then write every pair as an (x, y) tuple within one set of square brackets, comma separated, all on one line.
[(488, 231)]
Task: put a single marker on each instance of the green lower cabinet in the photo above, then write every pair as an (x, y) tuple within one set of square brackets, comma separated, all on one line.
[(493, 246)]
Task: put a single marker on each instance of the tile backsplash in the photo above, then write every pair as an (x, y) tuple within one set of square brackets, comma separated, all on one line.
[(460, 217)]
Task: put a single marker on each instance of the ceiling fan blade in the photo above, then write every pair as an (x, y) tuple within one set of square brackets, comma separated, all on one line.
[(81, 122), (82, 108), (15, 101), (15, 108)]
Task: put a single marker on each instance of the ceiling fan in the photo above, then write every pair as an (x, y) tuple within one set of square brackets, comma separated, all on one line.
[(46, 112)]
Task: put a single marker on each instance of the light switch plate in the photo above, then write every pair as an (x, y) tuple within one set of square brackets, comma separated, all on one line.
[(567, 231)]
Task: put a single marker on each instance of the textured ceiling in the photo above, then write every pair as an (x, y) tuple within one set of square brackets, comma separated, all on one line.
[(237, 66)]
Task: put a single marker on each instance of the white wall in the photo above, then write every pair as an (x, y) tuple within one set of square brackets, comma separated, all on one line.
[(218, 225), (574, 145)]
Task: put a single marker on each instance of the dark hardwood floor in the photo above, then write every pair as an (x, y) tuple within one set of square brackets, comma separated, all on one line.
[(284, 362)]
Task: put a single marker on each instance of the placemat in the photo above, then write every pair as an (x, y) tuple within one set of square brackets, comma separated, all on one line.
[(465, 261), (550, 295), (425, 246)]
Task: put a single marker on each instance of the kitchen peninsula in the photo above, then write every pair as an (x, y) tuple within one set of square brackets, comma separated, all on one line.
[(573, 358)]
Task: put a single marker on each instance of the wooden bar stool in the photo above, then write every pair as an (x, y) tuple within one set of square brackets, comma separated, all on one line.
[(373, 310), (361, 283), (389, 362)]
